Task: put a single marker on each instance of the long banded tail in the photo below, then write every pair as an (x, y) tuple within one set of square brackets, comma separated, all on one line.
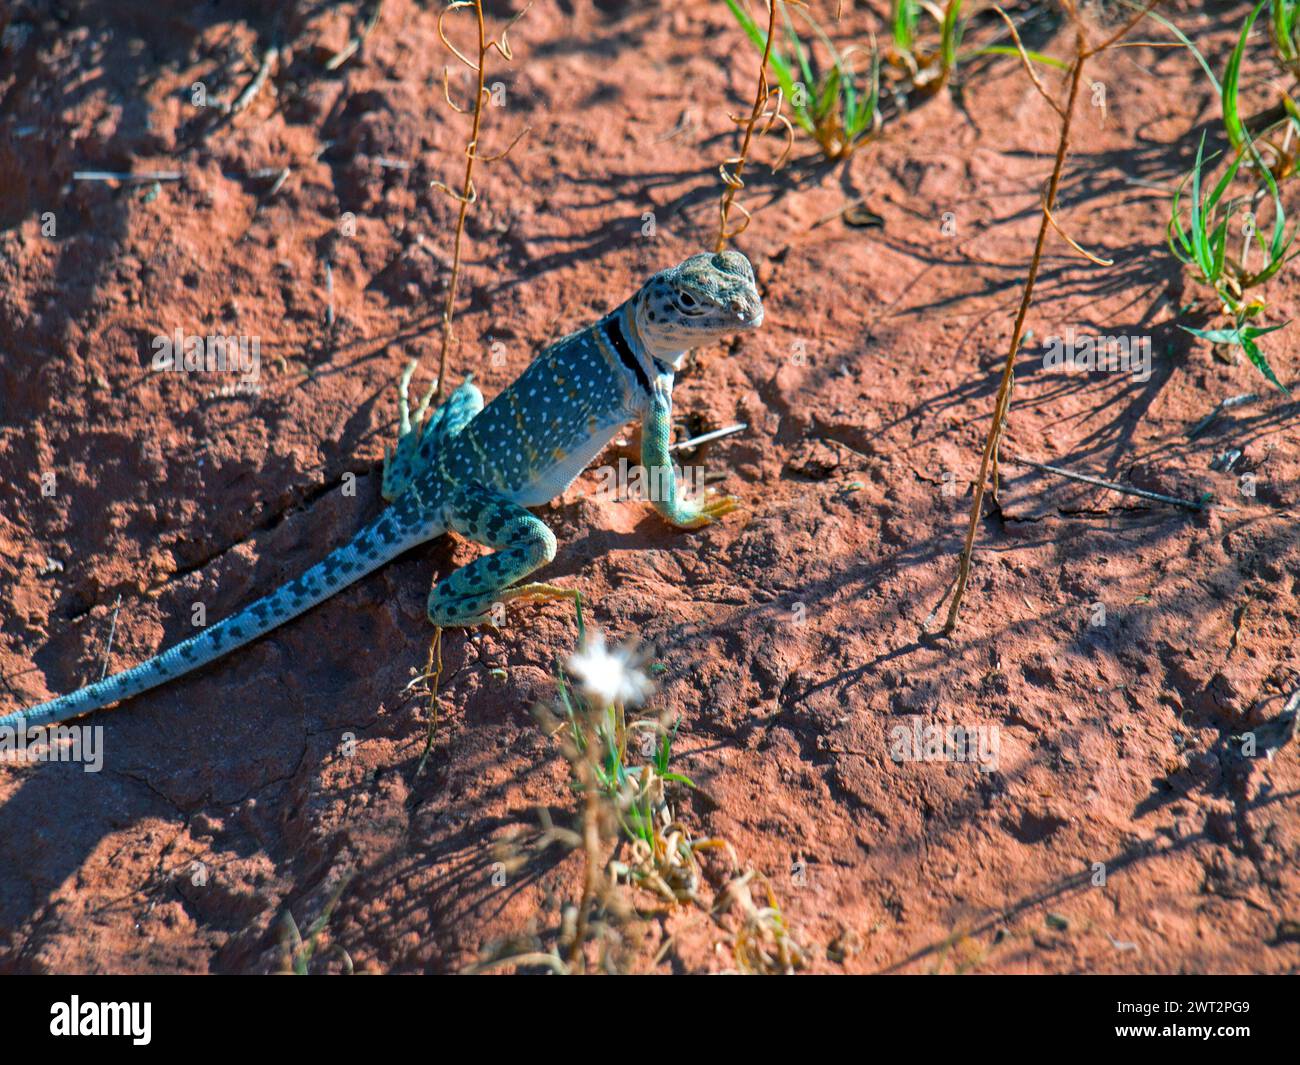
[(394, 532)]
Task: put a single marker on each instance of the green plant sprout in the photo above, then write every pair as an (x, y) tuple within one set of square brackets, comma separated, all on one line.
[(1284, 116), (926, 70), (840, 109), (1243, 336), (1284, 29), (906, 14), (662, 854), (832, 106), (1204, 245), (636, 792), (628, 807)]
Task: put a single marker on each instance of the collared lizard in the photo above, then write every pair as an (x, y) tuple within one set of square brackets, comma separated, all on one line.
[(474, 470)]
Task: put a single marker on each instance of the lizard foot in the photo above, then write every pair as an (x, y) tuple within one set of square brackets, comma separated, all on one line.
[(540, 593), (401, 462), (706, 513)]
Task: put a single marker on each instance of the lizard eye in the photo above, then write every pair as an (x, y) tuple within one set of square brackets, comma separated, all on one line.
[(687, 300)]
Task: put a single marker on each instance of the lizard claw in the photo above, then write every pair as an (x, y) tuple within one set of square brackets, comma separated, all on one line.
[(714, 509), (709, 512)]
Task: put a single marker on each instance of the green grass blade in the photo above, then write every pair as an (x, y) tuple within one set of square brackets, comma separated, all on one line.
[(1175, 227), (1222, 186), (780, 67), (1214, 336), (1256, 356), (828, 95), (1200, 244), (950, 34), (809, 78), (1282, 20), (1182, 37), (1218, 245), (1006, 49), (904, 25), (854, 116), (873, 100), (1237, 135)]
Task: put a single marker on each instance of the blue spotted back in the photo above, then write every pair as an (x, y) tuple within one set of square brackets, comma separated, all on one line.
[(534, 438)]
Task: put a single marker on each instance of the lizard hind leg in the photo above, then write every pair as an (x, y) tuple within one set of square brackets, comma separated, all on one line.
[(523, 544), (418, 441)]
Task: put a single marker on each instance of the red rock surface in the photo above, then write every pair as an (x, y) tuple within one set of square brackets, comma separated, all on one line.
[(284, 768)]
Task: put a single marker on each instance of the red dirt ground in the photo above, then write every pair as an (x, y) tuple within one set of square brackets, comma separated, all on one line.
[(289, 766)]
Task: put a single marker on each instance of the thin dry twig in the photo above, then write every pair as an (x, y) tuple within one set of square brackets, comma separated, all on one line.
[(1071, 241), (356, 40), (255, 84), (1122, 31), (112, 630), (1219, 408), (468, 194), (433, 674), (329, 295), (591, 848), (1156, 497), (278, 184), (732, 178), (988, 462), (717, 434), (127, 179), (1028, 65)]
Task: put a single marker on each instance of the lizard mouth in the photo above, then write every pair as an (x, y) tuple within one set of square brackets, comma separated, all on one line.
[(749, 315)]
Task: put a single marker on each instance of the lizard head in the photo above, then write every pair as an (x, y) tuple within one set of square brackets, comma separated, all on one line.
[(704, 298)]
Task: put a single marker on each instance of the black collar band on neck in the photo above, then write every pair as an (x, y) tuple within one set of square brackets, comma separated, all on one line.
[(615, 333)]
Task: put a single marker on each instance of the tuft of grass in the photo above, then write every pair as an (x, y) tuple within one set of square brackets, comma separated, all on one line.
[(1203, 244), (1285, 116), (903, 20), (839, 105), (834, 106), (1232, 83), (637, 795), (628, 833), (928, 65), (763, 944), (950, 34), (1284, 31)]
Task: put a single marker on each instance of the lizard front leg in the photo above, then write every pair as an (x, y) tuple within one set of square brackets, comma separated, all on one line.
[(665, 493), (418, 441), (523, 543)]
